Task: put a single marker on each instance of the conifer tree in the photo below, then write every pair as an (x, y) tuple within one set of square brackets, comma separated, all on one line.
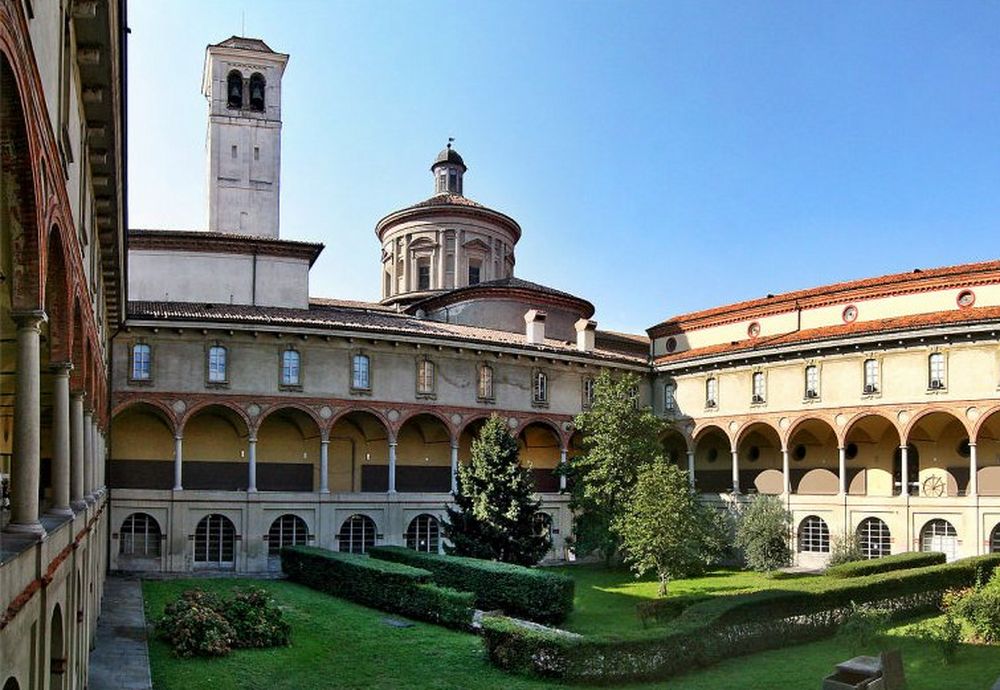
[(493, 515)]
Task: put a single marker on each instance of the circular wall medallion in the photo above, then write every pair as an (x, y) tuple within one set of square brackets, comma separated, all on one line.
[(456, 418), (840, 419), (733, 426), (903, 416), (512, 422), (325, 412), (784, 422), (965, 299), (253, 409), (753, 330), (179, 406), (972, 413), (850, 314), (671, 344), (393, 415)]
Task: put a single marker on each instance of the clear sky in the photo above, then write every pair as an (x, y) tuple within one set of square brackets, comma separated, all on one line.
[(660, 157)]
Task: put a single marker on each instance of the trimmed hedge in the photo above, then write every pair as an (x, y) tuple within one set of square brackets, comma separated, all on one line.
[(516, 590), (899, 561), (723, 626), (384, 585)]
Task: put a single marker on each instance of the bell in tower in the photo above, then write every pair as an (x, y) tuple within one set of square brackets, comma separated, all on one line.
[(257, 92)]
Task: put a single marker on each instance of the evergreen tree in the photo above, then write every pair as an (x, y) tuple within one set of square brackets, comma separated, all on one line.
[(619, 439), (493, 515)]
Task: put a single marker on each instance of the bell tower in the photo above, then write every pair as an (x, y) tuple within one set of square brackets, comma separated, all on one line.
[(242, 83)]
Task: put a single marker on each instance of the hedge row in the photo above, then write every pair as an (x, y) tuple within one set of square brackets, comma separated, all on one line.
[(723, 626), (899, 561), (517, 591), (384, 585)]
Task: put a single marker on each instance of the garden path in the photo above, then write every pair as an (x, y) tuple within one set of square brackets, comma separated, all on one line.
[(120, 658)]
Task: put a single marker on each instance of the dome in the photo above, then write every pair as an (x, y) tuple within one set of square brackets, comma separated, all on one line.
[(448, 155)]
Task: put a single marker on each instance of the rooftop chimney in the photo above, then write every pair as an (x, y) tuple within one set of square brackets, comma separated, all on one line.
[(585, 332), (534, 326)]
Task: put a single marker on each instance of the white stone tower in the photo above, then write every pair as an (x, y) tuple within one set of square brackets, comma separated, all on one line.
[(242, 83)]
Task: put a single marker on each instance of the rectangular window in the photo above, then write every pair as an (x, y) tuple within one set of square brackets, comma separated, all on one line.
[(485, 389), (290, 368), (871, 376), (233, 151), (473, 274), (759, 391), (424, 277), (540, 388), (140, 362), (425, 377), (217, 364), (812, 381), (670, 398), (360, 373), (256, 153), (588, 392), (711, 393), (936, 370)]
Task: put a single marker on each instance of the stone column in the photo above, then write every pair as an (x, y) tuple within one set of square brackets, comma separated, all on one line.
[(99, 467), (60, 439), (690, 455), (562, 466), (252, 457), (736, 471), (25, 470), (88, 456), (324, 464), (973, 471), (842, 470), (77, 454), (454, 465), (439, 269), (786, 476), (392, 466), (178, 462), (406, 264), (904, 470), (393, 277)]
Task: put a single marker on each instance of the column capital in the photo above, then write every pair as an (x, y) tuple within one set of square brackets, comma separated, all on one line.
[(252, 439), (178, 437), (61, 368), (29, 319), (78, 394), (972, 444)]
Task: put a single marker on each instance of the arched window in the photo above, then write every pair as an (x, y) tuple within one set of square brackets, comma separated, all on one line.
[(139, 536), (540, 387), (759, 392), (542, 524), (871, 376), (257, 85), (423, 534), (712, 392), (215, 541), (141, 370), (484, 390), (874, 538), (290, 368), (234, 89), (814, 535), (935, 371), (995, 539), (288, 530), (425, 377), (217, 365), (940, 535), (11, 684), (357, 534), (360, 373)]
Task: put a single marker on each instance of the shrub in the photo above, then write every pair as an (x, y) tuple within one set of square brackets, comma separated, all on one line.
[(193, 626), (863, 627), (517, 590), (845, 548), (256, 620), (762, 534), (899, 561), (981, 607), (380, 584), (945, 634), (660, 611)]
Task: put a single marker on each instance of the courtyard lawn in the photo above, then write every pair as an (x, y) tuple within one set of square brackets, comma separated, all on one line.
[(338, 644)]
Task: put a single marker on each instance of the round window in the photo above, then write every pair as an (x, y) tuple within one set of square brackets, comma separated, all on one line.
[(753, 330), (713, 454), (965, 299), (964, 450), (850, 314), (671, 344), (851, 451), (800, 452), (754, 454)]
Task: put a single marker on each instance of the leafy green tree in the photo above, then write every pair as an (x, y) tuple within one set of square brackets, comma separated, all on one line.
[(665, 529), (493, 515), (762, 533), (619, 439)]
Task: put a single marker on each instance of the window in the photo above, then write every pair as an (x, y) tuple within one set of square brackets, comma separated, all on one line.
[(935, 370), (542, 524), (484, 389), (588, 392), (139, 536), (357, 534), (940, 535), (759, 389), (425, 377), (812, 381), (453, 181), (288, 530), (290, 368), (540, 388), (874, 538), (871, 376), (995, 540), (215, 540), (814, 535), (423, 534), (233, 152), (140, 362), (442, 182), (217, 364), (712, 392), (670, 397), (234, 89), (257, 85), (360, 373), (256, 153), (473, 273), (424, 276)]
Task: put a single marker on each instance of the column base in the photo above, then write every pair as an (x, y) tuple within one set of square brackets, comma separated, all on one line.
[(31, 528), (252, 490), (91, 499), (61, 512), (324, 491), (79, 506)]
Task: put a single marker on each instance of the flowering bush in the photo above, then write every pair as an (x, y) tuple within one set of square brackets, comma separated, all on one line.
[(256, 620)]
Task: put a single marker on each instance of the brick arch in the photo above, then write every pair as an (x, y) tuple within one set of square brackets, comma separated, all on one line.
[(801, 421), (430, 412), (701, 429), (377, 414), (928, 411), (750, 424), (849, 426), (290, 405), (57, 297), (981, 422), (78, 346), (199, 407), (155, 403), (556, 427), (670, 430)]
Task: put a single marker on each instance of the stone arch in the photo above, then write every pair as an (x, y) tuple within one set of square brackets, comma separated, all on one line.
[(357, 533), (938, 466), (57, 650), (197, 408), (814, 458), (700, 430), (140, 538), (987, 435), (288, 449), (215, 542), (57, 298), (676, 445), (429, 412), (423, 533), (305, 409), (78, 347), (287, 529), (758, 446), (423, 454), (870, 441), (216, 442), (541, 445), (554, 425), (712, 458), (11, 684), (142, 445), (359, 451)]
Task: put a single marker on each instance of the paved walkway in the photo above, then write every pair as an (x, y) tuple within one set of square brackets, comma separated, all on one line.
[(120, 660)]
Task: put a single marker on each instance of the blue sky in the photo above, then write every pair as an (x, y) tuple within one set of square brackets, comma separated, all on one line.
[(660, 157)]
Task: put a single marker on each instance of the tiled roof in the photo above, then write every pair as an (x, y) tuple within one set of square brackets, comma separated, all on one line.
[(206, 241), (349, 304), (445, 202), (244, 43), (900, 323), (511, 283), (446, 199), (628, 343), (370, 318), (914, 281)]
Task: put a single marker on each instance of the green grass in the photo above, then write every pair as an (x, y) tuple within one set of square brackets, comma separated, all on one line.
[(337, 644)]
